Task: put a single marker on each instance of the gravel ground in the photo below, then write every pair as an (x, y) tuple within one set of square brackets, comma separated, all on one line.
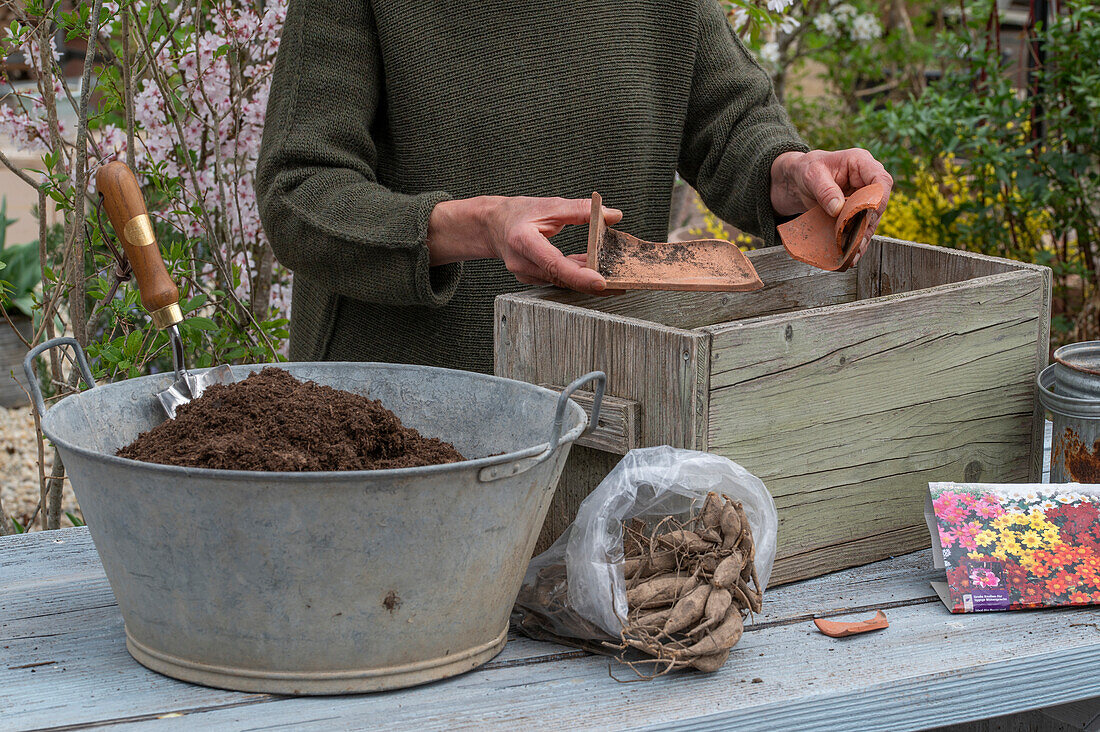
[(19, 467)]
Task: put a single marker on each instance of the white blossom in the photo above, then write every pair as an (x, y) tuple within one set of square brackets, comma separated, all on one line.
[(826, 24), (845, 12), (778, 6), (769, 53), (865, 27)]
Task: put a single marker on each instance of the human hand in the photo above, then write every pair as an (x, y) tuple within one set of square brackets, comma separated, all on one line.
[(801, 181), (516, 230)]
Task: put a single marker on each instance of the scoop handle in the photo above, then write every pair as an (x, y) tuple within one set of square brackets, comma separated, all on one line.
[(126, 208)]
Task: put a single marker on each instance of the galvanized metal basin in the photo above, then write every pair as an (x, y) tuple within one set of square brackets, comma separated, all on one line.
[(1070, 389), (324, 582)]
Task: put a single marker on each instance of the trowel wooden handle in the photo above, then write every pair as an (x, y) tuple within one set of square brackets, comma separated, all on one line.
[(126, 208)]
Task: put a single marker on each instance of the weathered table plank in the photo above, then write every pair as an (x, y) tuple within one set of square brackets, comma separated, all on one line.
[(929, 668)]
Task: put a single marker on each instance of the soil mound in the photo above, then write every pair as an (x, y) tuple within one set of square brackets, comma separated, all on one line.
[(272, 421)]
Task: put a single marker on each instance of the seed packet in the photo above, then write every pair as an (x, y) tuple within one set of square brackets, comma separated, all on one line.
[(1015, 546)]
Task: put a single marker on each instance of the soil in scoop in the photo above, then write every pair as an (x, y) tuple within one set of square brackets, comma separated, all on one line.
[(272, 421)]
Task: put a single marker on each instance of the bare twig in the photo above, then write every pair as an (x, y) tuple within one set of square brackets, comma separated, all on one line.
[(17, 170), (215, 248), (128, 87), (77, 241)]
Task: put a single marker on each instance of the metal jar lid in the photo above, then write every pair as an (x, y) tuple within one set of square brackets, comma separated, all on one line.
[(1077, 370)]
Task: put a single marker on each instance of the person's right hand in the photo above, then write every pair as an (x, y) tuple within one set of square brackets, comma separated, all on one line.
[(516, 230)]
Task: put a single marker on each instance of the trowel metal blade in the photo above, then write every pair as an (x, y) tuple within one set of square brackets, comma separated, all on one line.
[(191, 386)]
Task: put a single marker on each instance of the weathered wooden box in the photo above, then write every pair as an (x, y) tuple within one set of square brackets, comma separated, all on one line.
[(845, 392)]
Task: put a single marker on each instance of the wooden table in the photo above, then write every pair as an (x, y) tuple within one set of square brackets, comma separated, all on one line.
[(63, 665)]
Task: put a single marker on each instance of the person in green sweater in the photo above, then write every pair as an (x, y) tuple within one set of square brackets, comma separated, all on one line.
[(418, 157)]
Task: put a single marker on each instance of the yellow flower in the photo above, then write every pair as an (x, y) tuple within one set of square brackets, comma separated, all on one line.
[(1009, 544), (986, 538), (1032, 540), (1000, 554)]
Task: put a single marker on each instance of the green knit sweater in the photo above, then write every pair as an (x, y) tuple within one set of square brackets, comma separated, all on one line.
[(380, 109)]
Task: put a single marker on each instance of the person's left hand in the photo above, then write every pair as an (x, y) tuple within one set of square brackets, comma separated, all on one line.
[(801, 181)]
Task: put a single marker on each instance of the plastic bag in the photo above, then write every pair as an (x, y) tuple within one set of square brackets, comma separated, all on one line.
[(576, 588)]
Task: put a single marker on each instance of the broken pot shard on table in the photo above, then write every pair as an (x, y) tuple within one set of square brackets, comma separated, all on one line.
[(837, 629), (630, 263), (831, 243)]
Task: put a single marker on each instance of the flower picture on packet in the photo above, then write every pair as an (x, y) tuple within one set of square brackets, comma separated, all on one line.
[(1009, 547)]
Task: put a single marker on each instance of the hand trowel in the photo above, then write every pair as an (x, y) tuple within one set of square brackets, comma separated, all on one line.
[(629, 263), (159, 296), (831, 243)]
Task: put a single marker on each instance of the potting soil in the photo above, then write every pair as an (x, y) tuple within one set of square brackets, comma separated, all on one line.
[(272, 421)]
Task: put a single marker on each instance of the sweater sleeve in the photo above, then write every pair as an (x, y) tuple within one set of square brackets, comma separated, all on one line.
[(324, 211), (734, 130)]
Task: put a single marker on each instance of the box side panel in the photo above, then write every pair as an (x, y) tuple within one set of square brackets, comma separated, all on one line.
[(788, 285), (901, 266), (897, 266), (847, 413), (663, 369)]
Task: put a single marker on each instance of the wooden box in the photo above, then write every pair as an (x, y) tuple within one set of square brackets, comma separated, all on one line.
[(845, 392)]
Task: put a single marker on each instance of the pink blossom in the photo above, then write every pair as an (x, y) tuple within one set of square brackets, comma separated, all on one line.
[(968, 499), (220, 124), (944, 501), (989, 507)]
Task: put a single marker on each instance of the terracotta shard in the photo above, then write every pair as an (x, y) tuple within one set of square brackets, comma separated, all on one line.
[(831, 243), (834, 629), (630, 263)]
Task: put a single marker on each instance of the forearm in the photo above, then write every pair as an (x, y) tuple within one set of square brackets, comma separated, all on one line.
[(458, 230)]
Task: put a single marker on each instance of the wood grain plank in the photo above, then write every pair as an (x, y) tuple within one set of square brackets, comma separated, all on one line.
[(617, 430), (908, 266), (847, 412), (930, 668), (904, 267), (661, 369), (791, 567), (788, 286)]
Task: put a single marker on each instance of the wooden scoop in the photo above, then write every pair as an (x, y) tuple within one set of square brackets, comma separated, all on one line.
[(630, 263), (125, 207), (831, 243)]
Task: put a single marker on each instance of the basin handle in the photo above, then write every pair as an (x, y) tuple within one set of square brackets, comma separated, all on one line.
[(514, 464), (32, 378)]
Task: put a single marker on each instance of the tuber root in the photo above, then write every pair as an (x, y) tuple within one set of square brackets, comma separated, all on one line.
[(659, 590), (710, 516), (718, 604), (688, 587), (722, 638), (731, 526), (688, 610), (685, 541), (710, 664), (728, 570)]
